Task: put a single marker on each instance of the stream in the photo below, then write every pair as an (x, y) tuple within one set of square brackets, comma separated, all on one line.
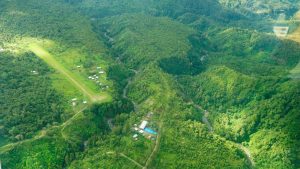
[(205, 120), (125, 91)]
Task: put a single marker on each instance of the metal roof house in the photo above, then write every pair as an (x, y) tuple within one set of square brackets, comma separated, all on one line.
[(281, 31), (143, 124)]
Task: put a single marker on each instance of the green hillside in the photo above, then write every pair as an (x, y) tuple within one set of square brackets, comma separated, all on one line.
[(212, 85)]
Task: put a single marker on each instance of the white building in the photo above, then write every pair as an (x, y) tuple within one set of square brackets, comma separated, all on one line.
[(281, 31), (143, 124)]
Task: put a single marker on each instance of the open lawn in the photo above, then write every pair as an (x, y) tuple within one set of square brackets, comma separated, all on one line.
[(295, 36), (71, 77), (295, 73), (297, 16)]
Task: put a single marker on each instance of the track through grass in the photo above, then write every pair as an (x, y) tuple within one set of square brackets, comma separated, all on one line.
[(75, 81)]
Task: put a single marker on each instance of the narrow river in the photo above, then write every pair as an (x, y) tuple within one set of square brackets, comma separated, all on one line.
[(205, 120)]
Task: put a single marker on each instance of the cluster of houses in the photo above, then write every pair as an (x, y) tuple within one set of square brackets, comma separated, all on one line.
[(75, 101), (96, 77), (144, 130)]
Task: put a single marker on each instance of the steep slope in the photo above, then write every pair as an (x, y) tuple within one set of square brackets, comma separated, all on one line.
[(214, 94), (141, 41)]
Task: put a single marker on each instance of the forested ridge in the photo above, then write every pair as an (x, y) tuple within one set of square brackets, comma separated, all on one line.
[(210, 78), (28, 102)]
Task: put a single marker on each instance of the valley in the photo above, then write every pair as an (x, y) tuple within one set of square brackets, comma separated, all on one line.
[(148, 84)]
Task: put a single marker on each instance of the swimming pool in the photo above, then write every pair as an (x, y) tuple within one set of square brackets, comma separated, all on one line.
[(148, 130)]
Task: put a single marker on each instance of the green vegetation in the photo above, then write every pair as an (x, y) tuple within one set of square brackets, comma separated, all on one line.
[(76, 81), (28, 102), (77, 78), (120, 75), (250, 97)]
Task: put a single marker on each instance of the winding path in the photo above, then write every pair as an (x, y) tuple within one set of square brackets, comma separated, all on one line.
[(66, 123), (132, 160), (155, 149), (43, 133), (125, 156), (205, 120), (125, 91), (136, 109)]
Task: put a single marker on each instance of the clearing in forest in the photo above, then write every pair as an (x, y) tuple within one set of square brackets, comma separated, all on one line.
[(295, 73), (75, 81), (295, 36)]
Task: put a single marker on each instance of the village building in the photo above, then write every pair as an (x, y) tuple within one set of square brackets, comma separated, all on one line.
[(143, 124), (281, 31)]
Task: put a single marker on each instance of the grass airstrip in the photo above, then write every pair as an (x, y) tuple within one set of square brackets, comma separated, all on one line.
[(74, 79)]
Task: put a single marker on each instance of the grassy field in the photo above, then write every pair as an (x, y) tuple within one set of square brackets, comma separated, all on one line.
[(295, 73), (295, 36), (297, 16), (75, 80)]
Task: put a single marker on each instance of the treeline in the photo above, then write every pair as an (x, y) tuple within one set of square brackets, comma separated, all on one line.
[(111, 109), (194, 62), (27, 100), (120, 75)]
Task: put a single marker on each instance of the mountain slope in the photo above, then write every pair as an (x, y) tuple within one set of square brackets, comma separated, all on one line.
[(216, 92)]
